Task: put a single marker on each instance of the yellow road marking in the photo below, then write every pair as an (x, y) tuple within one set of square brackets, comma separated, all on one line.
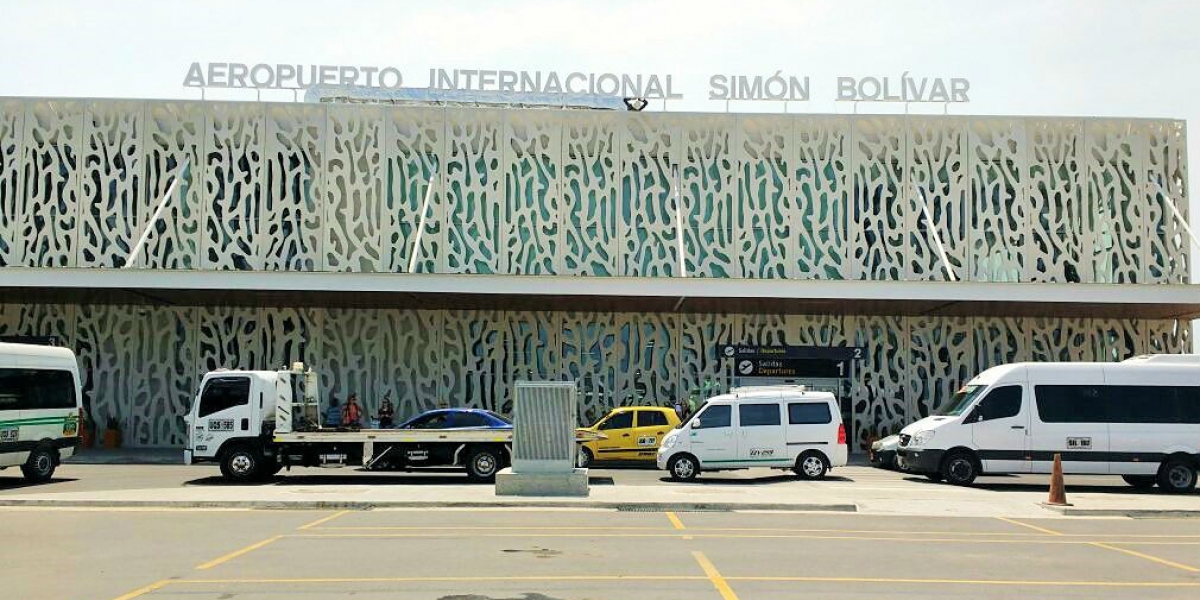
[(1148, 557), (323, 520), (714, 576), (232, 555), (675, 522), (693, 533), (742, 529), (973, 581), (444, 579), (1033, 527), (143, 590)]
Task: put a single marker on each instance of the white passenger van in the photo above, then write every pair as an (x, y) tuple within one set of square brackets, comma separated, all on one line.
[(784, 427), (40, 408), (1139, 419)]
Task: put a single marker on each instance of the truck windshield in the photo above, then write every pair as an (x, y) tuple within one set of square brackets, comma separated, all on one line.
[(960, 401)]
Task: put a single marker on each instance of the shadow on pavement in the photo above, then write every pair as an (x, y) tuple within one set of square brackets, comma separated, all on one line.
[(747, 481), (365, 478), (16, 483)]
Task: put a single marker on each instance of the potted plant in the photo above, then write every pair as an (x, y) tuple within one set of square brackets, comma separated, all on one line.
[(112, 433), (87, 437)]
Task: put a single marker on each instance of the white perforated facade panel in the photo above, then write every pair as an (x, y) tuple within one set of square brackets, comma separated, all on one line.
[(543, 427)]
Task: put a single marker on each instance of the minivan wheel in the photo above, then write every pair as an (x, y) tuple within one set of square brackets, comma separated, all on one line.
[(811, 465), (39, 467), (1177, 476), (1141, 482), (960, 468), (683, 468)]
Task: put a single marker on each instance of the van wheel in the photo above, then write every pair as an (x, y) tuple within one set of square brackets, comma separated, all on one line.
[(1140, 482), (960, 468), (683, 468), (811, 465), (242, 464), (39, 467), (1177, 476), (482, 465), (584, 460)]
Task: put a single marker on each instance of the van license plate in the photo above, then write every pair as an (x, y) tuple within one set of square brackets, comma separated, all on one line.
[(9, 435), (1079, 443)]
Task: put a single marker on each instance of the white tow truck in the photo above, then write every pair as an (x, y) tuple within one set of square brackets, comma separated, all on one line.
[(255, 423)]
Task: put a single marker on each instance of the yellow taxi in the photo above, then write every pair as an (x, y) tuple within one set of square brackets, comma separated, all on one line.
[(633, 433)]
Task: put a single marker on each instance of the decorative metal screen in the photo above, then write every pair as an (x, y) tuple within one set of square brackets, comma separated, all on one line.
[(544, 415)]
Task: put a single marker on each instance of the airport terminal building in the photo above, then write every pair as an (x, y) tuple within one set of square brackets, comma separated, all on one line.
[(436, 254)]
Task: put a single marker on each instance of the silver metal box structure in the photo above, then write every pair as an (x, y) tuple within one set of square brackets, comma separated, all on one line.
[(544, 417)]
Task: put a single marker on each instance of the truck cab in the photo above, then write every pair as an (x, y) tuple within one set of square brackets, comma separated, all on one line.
[(234, 412)]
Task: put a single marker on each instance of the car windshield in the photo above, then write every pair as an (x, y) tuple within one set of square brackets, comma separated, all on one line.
[(960, 401)]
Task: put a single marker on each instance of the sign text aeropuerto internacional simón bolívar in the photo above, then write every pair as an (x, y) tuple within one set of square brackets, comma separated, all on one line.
[(776, 86)]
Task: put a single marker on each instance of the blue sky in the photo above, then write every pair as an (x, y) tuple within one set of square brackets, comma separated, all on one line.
[(1076, 57)]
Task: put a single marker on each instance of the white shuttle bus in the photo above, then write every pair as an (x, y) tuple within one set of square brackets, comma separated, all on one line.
[(40, 408), (781, 427), (1139, 419)]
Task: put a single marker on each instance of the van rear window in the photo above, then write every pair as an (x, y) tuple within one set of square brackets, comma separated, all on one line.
[(809, 413)]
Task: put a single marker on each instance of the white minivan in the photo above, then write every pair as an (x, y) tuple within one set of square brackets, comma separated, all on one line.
[(40, 408), (1139, 419), (783, 427)]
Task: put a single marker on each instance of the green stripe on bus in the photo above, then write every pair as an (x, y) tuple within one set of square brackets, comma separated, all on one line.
[(34, 421)]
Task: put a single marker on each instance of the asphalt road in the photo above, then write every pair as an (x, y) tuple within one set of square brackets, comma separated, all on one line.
[(543, 554)]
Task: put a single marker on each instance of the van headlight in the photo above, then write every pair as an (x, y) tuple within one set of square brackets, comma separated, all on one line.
[(922, 437), (670, 440)]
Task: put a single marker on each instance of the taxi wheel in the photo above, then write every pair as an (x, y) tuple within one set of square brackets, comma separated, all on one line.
[(584, 459), (684, 468)]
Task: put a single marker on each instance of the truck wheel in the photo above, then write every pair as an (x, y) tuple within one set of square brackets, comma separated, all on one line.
[(39, 467), (683, 468), (1177, 476), (811, 465), (585, 458), (241, 464), (960, 468), (483, 464), (1140, 482)]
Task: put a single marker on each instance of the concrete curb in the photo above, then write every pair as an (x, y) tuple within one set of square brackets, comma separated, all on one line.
[(365, 505), (1134, 513)]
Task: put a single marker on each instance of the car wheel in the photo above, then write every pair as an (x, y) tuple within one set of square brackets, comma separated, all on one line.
[(1141, 482), (482, 465), (39, 467), (960, 468), (683, 468), (241, 464), (811, 465), (1177, 476), (584, 459)]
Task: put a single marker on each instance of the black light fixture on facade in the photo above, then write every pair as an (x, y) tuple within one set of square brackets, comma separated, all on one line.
[(636, 104)]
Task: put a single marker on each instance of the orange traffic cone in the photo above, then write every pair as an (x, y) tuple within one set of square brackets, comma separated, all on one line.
[(1058, 491)]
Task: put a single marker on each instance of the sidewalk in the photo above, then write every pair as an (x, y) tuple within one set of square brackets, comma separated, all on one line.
[(853, 489), (126, 456)]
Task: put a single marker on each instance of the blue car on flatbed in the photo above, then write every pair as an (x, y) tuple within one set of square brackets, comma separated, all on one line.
[(457, 418)]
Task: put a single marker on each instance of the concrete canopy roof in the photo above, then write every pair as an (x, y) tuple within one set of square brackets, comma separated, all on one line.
[(556, 292)]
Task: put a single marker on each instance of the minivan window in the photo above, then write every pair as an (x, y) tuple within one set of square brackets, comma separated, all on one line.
[(809, 413), (1166, 404), (754, 415), (33, 389), (716, 415), (221, 394), (959, 401), (1000, 403)]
